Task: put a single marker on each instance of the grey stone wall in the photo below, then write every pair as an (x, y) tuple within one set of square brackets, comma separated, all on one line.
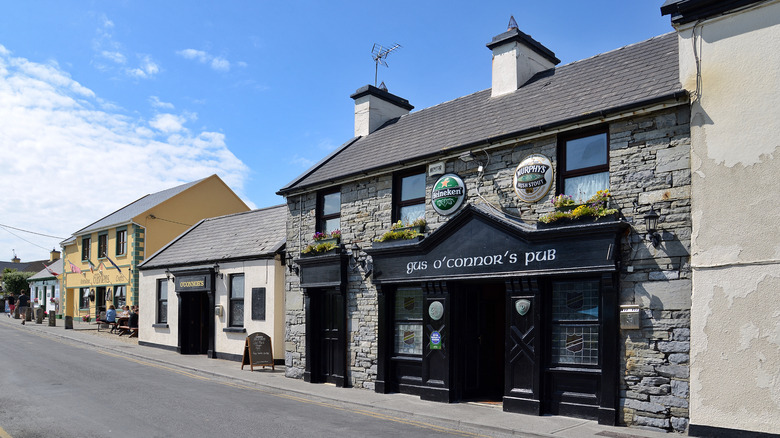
[(649, 166)]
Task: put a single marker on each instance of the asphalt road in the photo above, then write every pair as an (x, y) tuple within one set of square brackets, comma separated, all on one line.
[(52, 387)]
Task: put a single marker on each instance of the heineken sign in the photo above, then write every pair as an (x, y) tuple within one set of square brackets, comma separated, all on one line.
[(448, 194), (533, 178)]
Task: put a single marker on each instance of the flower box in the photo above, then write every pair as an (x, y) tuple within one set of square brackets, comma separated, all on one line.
[(395, 242), (584, 220)]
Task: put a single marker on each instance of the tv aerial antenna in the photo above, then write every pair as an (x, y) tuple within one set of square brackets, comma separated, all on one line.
[(379, 54)]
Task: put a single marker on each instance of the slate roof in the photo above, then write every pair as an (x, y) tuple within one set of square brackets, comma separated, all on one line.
[(687, 11), (34, 266), (248, 235), (56, 266), (630, 77), (126, 213)]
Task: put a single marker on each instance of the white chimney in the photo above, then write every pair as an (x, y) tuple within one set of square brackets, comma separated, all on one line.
[(516, 58), (374, 107)]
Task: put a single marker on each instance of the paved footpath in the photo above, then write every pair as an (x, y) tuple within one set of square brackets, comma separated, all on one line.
[(488, 419)]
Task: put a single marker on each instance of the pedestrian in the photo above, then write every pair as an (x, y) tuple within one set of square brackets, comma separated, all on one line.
[(11, 304), (23, 302)]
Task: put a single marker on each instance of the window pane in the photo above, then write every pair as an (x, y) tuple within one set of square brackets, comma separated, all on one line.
[(237, 286), (575, 300), (411, 213), (331, 203), (237, 313), (163, 290), (162, 312), (408, 304), (331, 225), (575, 344), (586, 152), (581, 188), (413, 187), (408, 338)]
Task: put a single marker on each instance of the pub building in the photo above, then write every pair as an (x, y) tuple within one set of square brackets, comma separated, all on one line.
[(214, 285), (453, 277)]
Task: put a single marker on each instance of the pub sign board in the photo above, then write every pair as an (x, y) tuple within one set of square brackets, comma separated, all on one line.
[(477, 248), (193, 283), (533, 178)]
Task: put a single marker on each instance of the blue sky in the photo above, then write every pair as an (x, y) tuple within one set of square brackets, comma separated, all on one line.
[(102, 102)]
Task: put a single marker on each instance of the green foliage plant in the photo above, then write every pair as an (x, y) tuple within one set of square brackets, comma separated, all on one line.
[(401, 231), (595, 207)]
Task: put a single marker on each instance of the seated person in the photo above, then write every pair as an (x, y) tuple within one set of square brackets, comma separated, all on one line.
[(111, 314), (126, 311), (133, 322)]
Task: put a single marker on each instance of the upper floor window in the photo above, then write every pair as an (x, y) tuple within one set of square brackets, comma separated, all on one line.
[(409, 197), (162, 301), (583, 165), (121, 242), (329, 211), (236, 311), (86, 242), (102, 245)]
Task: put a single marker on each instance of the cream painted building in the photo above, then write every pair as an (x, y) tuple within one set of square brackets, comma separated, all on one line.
[(730, 64), (219, 282), (101, 259)]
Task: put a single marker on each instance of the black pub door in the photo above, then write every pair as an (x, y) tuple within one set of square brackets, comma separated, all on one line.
[(193, 326), (329, 342), (482, 331)]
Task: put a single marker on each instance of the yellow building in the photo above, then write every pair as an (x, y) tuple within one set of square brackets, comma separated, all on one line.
[(100, 259)]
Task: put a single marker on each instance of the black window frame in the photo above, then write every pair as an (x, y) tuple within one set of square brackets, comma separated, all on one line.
[(563, 174), (322, 218), (398, 203), (417, 320), (121, 242), (102, 246), (233, 300), (162, 301), (86, 243)]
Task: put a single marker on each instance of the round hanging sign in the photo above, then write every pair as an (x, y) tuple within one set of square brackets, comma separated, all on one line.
[(436, 310), (448, 194), (533, 178)]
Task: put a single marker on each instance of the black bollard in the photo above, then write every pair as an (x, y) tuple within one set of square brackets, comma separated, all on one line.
[(52, 319), (68, 322)]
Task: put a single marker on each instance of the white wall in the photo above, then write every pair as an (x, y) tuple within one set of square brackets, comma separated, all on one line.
[(257, 273), (735, 136)]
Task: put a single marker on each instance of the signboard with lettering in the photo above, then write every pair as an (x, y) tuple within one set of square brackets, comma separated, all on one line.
[(448, 194), (188, 283), (258, 351), (533, 178), (478, 247)]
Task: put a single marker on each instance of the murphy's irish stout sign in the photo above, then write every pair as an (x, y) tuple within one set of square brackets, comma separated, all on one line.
[(448, 194), (533, 178)]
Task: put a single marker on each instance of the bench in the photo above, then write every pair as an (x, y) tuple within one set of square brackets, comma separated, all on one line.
[(132, 331)]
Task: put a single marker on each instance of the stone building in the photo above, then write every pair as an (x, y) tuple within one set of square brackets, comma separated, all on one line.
[(584, 314)]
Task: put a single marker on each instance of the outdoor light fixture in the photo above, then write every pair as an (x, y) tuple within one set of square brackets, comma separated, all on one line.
[(362, 260), (216, 270), (466, 157), (168, 274), (291, 267), (651, 225)]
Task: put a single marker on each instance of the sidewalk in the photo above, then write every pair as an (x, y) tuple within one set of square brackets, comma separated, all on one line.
[(487, 419)]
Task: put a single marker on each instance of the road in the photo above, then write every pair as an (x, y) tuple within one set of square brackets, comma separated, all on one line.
[(54, 387)]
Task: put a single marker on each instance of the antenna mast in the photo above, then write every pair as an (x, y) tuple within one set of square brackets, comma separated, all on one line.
[(379, 54)]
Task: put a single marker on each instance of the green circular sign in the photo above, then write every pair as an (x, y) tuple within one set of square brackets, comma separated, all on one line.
[(448, 194)]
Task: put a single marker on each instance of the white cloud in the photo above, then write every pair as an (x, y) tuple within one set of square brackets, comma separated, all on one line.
[(106, 48), (68, 160), (157, 103), (217, 63), (116, 57)]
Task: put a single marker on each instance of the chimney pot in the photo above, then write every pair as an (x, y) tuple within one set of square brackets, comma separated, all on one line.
[(516, 58), (374, 107)]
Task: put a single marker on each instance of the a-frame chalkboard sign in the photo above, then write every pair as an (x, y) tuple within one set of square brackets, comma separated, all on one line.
[(258, 351)]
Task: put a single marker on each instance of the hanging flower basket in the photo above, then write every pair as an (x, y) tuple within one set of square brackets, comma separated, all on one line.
[(323, 243)]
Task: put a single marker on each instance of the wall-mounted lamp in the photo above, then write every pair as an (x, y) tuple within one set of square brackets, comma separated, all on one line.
[(168, 274), (466, 157), (292, 268), (362, 260), (651, 225), (92, 294), (216, 270)]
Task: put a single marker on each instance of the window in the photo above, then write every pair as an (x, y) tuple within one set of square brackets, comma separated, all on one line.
[(102, 245), (84, 298), (258, 304), (329, 212), (584, 165), (121, 242), (575, 322), (85, 244), (236, 311), (120, 299), (162, 301), (409, 197), (408, 322)]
